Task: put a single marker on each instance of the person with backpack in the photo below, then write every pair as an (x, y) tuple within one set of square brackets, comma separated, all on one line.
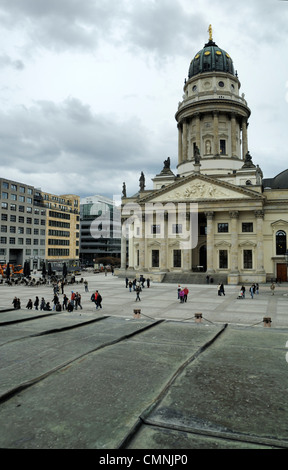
[(98, 300)]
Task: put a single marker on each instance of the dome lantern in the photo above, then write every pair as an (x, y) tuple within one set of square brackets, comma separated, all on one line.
[(210, 59)]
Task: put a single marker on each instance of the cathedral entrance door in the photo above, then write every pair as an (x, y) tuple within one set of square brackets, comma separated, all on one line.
[(203, 257), (282, 272)]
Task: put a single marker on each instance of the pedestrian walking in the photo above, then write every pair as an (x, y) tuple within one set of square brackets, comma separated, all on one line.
[(70, 306), (138, 290), (36, 303), (78, 300), (252, 291), (178, 291), (86, 286), (222, 289), (55, 301), (98, 300), (65, 302), (42, 304), (272, 287), (186, 292), (29, 304), (148, 282), (130, 285), (73, 298), (181, 296)]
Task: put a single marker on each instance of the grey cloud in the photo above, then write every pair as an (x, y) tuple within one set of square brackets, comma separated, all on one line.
[(53, 138), (6, 61), (158, 27)]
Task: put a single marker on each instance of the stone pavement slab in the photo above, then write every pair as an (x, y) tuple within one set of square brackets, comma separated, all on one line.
[(105, 380), (96, 400), (235, 394)]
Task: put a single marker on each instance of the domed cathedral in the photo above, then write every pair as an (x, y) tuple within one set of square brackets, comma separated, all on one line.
[(217, 218)]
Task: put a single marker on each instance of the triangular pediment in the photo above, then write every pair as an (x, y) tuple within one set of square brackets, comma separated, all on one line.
[(197, 188)]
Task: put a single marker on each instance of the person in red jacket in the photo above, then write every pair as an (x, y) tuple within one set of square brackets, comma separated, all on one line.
[(186, 291)]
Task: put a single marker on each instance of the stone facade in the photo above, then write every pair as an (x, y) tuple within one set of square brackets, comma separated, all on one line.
[(215, 215)]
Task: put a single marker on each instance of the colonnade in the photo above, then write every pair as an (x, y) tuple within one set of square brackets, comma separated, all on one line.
[(144, 244), (183, 130)]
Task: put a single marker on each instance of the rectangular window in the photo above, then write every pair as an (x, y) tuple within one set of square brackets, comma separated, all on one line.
[(223, 259), (247, 259), (155, 258), (155, 229), (3, 240), (177, 258), (176, 228), (222, 147), (247, 227), (223, 228)]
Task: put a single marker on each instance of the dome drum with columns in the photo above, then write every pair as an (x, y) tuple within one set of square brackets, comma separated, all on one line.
[(242, 220)]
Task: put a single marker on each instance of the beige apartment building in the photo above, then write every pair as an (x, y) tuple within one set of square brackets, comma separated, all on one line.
[(217, 216), (62, 228)]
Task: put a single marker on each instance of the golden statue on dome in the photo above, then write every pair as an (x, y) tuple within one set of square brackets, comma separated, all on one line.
[(210, 33)]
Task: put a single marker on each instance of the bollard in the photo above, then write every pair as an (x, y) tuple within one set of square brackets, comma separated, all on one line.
[(267, 322), (137, 312), (198, 317)]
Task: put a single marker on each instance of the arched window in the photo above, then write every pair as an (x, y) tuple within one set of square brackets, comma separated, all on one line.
[(281, 242)]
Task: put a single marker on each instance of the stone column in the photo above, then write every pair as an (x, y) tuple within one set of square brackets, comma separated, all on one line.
[(180, 147), (184, 143), (198, 133), (233, 135), (123, 249), (234, 242), (233, 276), (164, 242), (216, 133), (142, 245), (210, 241), (259, 215), (244, 138), (186, 252)]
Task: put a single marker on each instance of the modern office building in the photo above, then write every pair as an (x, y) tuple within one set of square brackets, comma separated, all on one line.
[(100, 241), (23, 224), (38, 227), (241, 225)]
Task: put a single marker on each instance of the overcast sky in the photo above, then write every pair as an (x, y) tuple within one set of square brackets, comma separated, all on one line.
[(89, 89)]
